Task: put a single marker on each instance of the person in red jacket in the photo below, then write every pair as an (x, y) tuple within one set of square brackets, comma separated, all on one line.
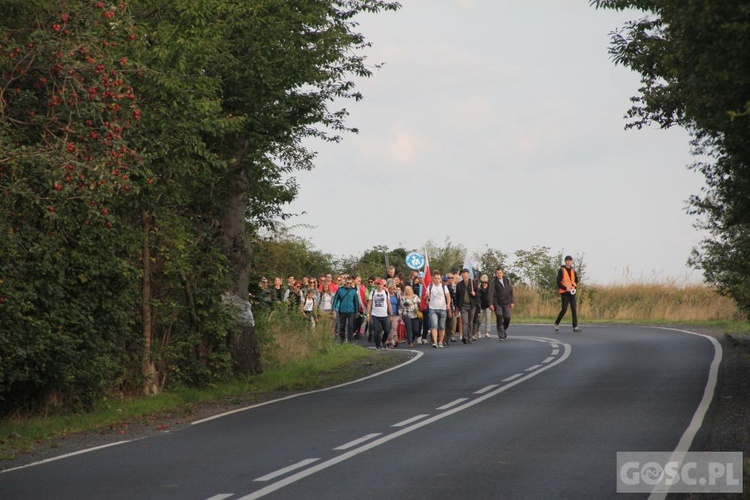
[(567, 284)]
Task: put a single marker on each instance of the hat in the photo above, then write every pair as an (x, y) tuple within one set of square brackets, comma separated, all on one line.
[(379, 281), (484, 278), (445, 279), (464, 270), (568, 257)]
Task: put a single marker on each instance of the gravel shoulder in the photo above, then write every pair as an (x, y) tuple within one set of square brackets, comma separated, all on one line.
[(727, 426)]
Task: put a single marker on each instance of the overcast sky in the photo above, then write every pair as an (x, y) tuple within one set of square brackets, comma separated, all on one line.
[(500, 123)]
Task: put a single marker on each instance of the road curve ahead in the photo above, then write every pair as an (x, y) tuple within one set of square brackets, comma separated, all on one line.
[(541, 415)]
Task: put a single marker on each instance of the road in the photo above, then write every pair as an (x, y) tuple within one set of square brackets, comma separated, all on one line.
[(541, 415)]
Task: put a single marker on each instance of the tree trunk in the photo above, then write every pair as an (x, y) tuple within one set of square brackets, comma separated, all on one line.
[(148, 369), (243, 342)]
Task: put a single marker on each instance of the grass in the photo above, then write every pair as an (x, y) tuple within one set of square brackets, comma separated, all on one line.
[(300, 358)]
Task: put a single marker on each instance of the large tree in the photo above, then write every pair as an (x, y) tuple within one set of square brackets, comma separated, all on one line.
[(141, 144), (693, 59)]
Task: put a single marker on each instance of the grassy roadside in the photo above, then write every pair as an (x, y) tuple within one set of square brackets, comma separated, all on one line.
[(324, 368)]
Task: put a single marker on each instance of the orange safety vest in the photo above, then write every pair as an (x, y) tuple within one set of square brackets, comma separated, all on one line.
[(568, 279)]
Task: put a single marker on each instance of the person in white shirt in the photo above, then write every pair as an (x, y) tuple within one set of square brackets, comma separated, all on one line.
[(378, 311), (439, 300)]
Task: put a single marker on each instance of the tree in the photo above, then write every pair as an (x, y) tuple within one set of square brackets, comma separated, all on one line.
[(449, 258), (691, 55), (142, 145), (489, 260)]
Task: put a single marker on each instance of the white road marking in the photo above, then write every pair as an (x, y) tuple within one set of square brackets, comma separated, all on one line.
[(512, 377), (452, 403), (223, 496), (532, 368), (419, 355), (555, 351), (485, 389), (67, 455), (286, 470), (352, 444), (555, 346), (411, 420), (389, 437), (678, 455), (551, 358)]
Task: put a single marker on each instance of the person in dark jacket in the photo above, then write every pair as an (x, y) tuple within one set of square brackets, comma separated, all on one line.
[(346, 305), (467, 296), (500, 297)]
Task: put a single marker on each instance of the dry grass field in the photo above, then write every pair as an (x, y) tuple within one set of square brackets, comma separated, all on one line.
[(634, 302)]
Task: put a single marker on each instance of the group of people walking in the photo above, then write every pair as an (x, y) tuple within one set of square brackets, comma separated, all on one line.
[(451, 308)]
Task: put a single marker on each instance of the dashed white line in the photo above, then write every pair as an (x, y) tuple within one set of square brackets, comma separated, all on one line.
[(352, 444), (512, 377), (555, 352), (532, 368), (551, 358), (286, 470), (486, 389), (453, 403), (555, 346), (409, 421), (395, 435)]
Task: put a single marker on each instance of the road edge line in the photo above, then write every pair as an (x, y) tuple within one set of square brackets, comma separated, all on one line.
[(245, 408), (683, 446)]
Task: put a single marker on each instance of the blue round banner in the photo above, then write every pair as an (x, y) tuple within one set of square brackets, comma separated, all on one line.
[(415, 261)]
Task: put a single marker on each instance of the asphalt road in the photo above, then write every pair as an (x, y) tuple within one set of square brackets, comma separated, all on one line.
[(541, 415)]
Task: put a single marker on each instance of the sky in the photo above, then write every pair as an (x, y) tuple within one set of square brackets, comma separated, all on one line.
[(500, 124)]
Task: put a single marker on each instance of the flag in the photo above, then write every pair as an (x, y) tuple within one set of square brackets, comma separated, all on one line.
[(467, 265), (425, 281)]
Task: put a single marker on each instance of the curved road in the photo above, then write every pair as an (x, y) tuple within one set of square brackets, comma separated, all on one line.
[(541, 415)]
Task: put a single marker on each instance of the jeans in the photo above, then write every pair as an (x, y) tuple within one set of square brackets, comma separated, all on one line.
[(568, 298), (437, 319), (412, 328), (346, 325), (380, 328), (487, 320)]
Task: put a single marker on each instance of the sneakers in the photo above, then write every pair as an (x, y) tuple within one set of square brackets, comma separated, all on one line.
[(434, 344), (557, 327), (487, 335), (576, 329)]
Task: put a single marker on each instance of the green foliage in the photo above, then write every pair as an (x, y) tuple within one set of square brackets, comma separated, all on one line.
[(449, 258), (489, 260), (280, 254), (692, 56), (130, 135)]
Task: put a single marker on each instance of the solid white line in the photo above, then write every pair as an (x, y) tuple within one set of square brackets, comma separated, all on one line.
[(548, 360), (223, 496), (352, 444), (488, 388), (452, 403), (409, 421), (285, 470), (678, 455), (512, 377), (373, 444), (68, 455), (214, 417), (532, 368)]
